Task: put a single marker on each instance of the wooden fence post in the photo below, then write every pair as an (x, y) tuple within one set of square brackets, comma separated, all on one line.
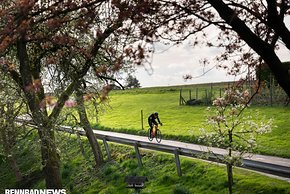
[(138, 155), (181, 99), (107, 148), (142, 124), (211, 94), (206, 97), (180, 96), (177, 161)]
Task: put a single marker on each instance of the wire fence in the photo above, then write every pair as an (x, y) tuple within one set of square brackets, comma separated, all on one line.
[(266, 94)]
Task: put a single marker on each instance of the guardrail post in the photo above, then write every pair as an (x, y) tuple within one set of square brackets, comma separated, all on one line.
[(177, 161), (138, 155), (81, 144), (107, 148)]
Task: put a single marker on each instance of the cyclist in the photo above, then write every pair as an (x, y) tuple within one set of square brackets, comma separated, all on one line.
[(152, 121)]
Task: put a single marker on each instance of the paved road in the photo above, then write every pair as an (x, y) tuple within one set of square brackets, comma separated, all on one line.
[(271, 160)]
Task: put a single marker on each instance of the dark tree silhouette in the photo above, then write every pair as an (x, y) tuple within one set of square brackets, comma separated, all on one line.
[(263, 73), (132, 82)]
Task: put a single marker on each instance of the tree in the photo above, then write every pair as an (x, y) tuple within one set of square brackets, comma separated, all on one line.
[(230, 127), (85, 123), (249, 31), (10, 108), (263, 73), (132, 82), (70, 37)]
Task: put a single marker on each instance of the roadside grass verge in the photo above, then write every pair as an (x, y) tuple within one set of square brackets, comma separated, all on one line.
[(80, 176)]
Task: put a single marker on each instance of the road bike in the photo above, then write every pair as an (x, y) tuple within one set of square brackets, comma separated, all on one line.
[(156, 133)]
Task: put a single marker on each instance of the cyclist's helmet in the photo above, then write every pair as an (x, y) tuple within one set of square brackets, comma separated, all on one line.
[(156, 113)]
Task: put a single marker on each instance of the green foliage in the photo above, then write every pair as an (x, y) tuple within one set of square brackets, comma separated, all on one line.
[(179, 189), (28, 159), (132, 82), (264, 73), (167, 179)]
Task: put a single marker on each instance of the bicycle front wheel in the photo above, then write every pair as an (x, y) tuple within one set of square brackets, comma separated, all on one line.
[(158, 136)]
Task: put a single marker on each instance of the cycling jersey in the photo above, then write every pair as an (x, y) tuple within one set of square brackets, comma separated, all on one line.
[(152, 120)]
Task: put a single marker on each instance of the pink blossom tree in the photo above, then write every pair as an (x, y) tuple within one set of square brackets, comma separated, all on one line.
[(232, 127)]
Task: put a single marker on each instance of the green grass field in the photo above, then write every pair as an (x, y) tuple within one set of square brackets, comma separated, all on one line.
[(123, 114), (79, 175)]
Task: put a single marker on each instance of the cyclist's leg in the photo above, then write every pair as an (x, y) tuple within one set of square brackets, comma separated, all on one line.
[(153, 131), (150, 134)]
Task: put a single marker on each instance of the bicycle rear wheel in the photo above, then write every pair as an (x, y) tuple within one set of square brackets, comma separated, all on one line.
[(158, 136), (149, 135)]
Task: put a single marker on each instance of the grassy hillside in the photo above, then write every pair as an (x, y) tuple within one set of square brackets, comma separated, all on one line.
[(80, 176), (183, 122)]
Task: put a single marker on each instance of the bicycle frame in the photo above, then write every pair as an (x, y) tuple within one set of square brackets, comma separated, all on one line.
[(155, 133), (154, 130)]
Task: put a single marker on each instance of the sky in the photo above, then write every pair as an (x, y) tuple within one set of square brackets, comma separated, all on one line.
[(170, 64)]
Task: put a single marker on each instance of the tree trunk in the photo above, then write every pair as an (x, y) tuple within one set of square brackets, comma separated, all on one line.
[(230, 163), (50, 158), (34, 97), (265, 50), (230, 178), (9, 154), (87, 127)]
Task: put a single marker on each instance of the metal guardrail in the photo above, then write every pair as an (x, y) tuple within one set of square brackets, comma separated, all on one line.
[(274, 169)]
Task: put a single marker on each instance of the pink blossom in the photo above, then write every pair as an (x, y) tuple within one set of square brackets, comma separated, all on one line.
[(70, 103)]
